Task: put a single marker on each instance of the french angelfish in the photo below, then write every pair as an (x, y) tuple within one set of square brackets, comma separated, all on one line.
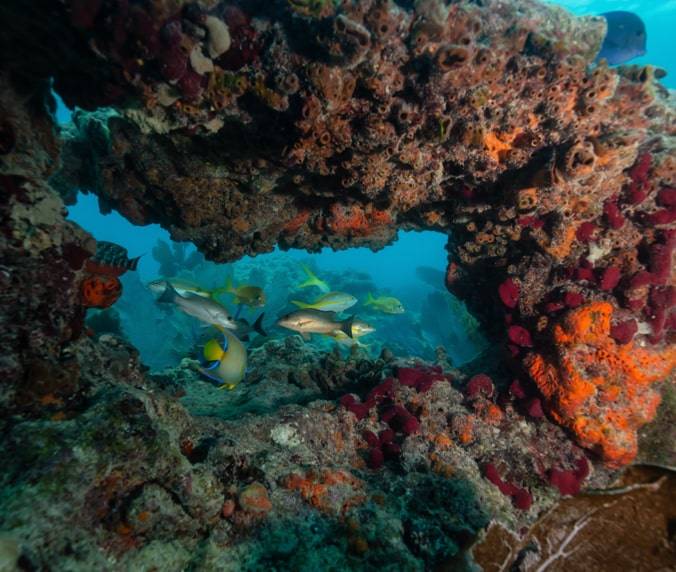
[(625, 38), (226, 360), (311, 321), (204, 309)]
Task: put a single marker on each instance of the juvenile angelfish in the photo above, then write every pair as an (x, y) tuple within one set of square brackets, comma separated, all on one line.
[(225, 360), (204, 309), (331, 302)]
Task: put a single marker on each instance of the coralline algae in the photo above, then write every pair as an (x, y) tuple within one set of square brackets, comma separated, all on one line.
[(307, 124)]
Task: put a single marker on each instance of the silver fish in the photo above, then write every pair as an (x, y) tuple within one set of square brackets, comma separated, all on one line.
[(204, 309), (311, 321)]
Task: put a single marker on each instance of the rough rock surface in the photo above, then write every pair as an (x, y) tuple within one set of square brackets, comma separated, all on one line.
[(304, 124)]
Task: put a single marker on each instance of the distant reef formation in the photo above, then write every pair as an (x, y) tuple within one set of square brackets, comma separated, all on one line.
[(309, 123)]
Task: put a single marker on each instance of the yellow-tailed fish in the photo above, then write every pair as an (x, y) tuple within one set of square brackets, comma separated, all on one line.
[(310, 321), (313, 280), (331, 302), (182, 287), (246, 294), (225, 360), (386, 304)]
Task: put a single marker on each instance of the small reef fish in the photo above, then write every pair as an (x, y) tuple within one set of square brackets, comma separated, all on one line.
[(204, 309), (331, 302), (313, 280), (110, 259), (311, 321), (386, 304), (246, 294), (226, 360), (625, 38), (244, 328), (182, 287)]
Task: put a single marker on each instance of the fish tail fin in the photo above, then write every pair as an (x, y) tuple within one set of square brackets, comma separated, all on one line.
[(225, 289), (169, 294), (133, 263), (311, 280), (369, 299), (346, 326), (258, 326), (300, 304), (229, 286)]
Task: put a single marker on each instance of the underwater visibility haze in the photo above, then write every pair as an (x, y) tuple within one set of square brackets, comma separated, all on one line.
[(317, 285)]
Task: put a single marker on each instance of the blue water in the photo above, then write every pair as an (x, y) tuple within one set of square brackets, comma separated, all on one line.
[(433, 317)]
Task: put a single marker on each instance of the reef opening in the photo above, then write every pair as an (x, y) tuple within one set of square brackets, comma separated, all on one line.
[(433, 323)]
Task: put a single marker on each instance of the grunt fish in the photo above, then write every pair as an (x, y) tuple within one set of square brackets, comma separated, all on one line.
[(313, 280), (386, 304), (226, 360), (331, 302), (311, 321), (204, 309)]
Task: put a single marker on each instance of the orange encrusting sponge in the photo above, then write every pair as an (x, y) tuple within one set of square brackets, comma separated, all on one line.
[(600, 390)]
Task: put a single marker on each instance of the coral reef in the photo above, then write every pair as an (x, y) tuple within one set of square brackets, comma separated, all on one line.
[(241, 126)]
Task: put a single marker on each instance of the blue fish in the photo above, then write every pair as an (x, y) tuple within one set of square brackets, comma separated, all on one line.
[(625, 38)]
